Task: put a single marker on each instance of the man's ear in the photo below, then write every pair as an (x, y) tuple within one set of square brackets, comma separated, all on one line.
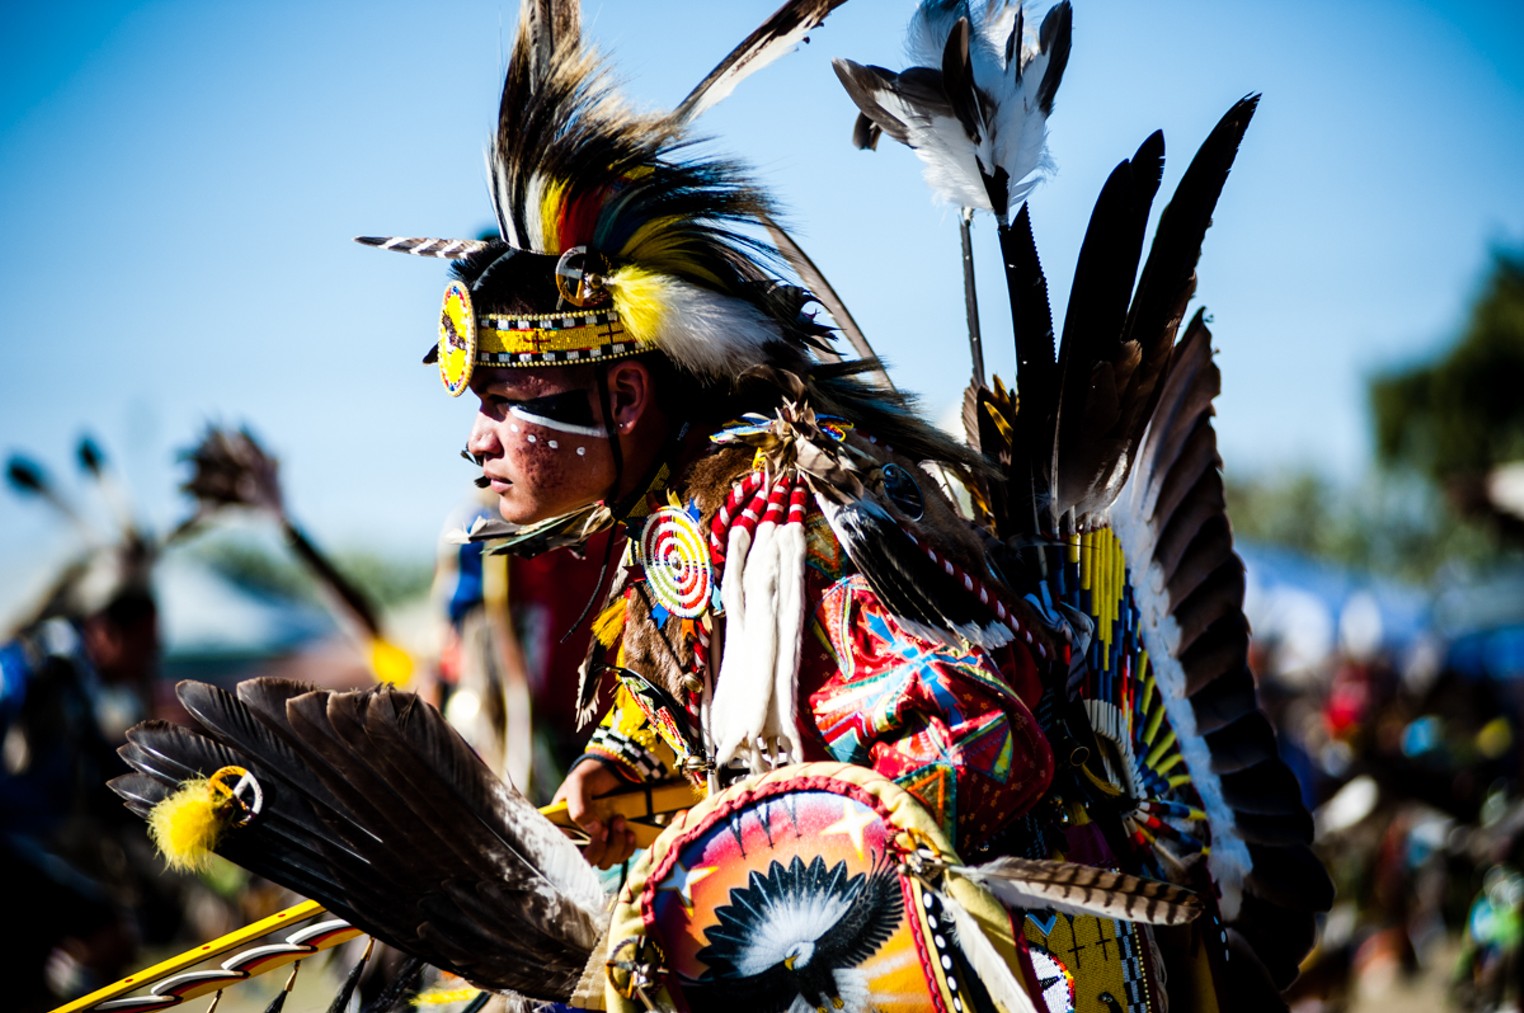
[(632, 392)]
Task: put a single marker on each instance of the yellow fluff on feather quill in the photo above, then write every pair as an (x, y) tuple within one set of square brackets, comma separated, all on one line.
[(186, 826)]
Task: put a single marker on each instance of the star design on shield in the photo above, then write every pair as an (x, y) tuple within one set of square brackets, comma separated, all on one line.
[(854, 820), (682, 880)]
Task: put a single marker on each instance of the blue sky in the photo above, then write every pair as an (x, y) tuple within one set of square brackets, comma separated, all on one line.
[(179, 182)]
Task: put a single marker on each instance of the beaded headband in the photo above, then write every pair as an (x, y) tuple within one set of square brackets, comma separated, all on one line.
[(469, 338)]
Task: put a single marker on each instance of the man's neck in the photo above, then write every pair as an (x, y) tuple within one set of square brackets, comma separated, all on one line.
[(651, 444)]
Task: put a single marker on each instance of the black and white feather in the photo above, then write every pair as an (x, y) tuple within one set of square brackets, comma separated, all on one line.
[(788, 26), (1189, 586), (923, 597), (975, 105), (424, 246)]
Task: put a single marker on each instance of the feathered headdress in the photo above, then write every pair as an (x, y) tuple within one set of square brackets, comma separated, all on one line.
[(615, 237), (113, 561)]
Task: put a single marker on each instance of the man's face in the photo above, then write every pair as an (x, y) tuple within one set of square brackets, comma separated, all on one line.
[(540, 436)]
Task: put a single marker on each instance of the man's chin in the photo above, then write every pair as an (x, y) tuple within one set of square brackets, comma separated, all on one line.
[(516, 512), (512, 510)]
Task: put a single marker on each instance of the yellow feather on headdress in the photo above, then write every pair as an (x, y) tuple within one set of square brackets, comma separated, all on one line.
[(640, 299), (661, 244)]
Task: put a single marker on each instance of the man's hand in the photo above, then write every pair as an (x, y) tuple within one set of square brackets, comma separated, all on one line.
[(606, 846)]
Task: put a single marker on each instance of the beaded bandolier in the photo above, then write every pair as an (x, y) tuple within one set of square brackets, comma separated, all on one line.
[(934, 753)]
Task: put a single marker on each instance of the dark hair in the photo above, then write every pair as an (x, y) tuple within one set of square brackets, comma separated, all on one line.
[(130, 607), (510, 280)]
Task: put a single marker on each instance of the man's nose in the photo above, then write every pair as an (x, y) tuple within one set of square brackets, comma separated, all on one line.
[(483, 438)]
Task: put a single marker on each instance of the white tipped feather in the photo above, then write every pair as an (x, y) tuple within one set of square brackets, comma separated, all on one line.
[(788, 26), (951, 160), (993, 161), (1229, 859), (930, 25)]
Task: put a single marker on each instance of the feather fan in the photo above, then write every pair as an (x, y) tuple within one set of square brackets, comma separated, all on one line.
[(1115, 432), (375, 807), (230, 468)]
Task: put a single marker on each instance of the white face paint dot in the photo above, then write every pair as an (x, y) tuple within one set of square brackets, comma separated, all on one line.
[(581, 451), (533, 438), (513, 428), (554, 445)]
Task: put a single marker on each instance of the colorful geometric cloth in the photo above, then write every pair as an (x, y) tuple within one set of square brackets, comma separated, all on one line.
[(943, 722)]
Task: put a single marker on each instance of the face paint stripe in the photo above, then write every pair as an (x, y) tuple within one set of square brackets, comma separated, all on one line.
[(520, 412)]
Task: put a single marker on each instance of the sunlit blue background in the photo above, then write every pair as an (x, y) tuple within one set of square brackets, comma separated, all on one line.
[(179, 181)]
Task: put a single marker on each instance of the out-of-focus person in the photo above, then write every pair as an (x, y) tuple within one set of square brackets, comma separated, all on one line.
[(72, 680), (513, 628)]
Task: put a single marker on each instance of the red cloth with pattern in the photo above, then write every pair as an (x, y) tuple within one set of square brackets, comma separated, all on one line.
[(948, 723)]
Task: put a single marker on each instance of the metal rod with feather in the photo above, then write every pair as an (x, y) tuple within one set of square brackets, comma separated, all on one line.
[(971, 295)]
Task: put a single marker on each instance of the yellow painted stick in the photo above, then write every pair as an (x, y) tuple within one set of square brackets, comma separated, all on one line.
[(293, 915)]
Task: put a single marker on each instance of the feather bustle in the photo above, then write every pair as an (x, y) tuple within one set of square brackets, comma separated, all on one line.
[(1172, 521)]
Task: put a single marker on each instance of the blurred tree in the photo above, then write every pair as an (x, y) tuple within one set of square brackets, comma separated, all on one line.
[(1392, 524), (1457, 418), (1441, 428), (269, 567)]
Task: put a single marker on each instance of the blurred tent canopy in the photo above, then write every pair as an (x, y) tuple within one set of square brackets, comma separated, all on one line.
[(215, 626), (1304, 608)]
